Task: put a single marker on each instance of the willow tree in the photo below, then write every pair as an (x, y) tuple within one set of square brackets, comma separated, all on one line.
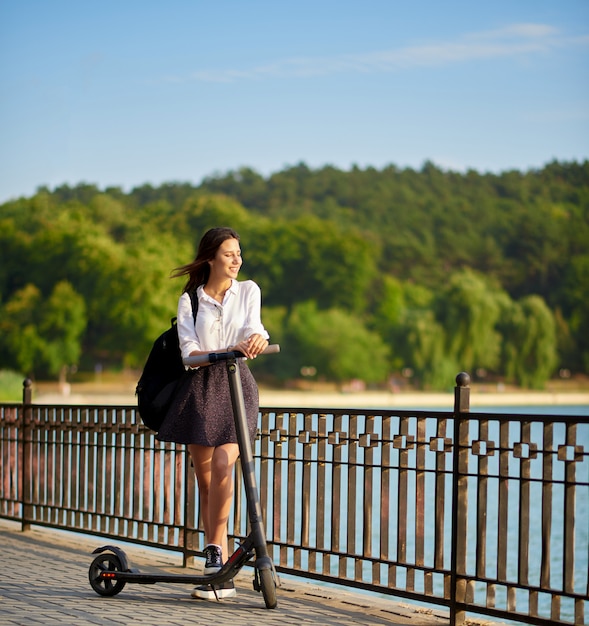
[(468, 309), (429, 363), (405, 318), (529, 342)]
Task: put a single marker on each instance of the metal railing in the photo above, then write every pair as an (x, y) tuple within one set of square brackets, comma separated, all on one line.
[(478, 512)]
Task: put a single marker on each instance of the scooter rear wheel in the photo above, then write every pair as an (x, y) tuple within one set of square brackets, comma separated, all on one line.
[(268, 588), (105, 562)]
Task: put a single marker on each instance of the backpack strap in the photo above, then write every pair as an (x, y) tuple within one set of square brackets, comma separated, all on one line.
[(194, 302)]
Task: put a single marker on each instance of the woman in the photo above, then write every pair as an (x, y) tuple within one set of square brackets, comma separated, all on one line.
[(201, 415)]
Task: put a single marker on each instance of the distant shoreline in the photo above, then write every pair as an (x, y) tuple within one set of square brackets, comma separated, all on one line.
[(385, 400), (332, 399)]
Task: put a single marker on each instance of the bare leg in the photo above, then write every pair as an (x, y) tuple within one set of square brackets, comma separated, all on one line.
[(214, 474)]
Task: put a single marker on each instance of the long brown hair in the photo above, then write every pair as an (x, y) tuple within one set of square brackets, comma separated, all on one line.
[(199, 269)]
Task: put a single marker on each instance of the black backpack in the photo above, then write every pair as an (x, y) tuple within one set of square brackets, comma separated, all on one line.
[(161, 374)]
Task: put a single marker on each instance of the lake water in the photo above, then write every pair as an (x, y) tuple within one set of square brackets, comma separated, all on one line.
[(551, 409), (535, 547)]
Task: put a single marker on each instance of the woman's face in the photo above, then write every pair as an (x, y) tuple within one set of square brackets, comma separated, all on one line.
[(227, 261)]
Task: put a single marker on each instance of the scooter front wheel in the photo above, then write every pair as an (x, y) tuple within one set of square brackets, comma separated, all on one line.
[(268, 587), (106, 562)]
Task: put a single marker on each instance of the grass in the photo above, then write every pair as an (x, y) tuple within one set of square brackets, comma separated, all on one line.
[(10, 386)]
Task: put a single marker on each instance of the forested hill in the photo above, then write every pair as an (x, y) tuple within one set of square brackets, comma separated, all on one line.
[(432, 271), (519, 227)]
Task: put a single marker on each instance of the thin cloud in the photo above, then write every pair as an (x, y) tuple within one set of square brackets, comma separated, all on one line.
[(527, 30), (511, 41)]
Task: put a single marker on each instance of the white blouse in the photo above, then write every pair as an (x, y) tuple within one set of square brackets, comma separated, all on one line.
[(219, 326)]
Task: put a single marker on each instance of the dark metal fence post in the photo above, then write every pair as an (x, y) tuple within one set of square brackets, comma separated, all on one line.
[(462, 393), (25, 465), (458, 557)]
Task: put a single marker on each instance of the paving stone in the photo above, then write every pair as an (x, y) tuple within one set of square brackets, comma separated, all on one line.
[(45, 581)]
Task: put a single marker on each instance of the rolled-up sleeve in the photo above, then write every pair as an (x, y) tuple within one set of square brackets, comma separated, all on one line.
[(253, 303), (186, 329)]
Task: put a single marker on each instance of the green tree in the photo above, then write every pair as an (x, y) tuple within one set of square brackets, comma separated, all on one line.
[(424, 347), (202, 212), (383, 246), (61, 326), (311, 259), (573, 300), (398, 305), (41, 335), (336, 344), (468, 309), (19, 330), (529, 342)]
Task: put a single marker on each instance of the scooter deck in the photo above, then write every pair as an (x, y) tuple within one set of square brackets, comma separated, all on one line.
[(229, 570), (144, 578)]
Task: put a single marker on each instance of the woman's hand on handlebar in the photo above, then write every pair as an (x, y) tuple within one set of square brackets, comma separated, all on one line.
[(252, 346), (260, 346)]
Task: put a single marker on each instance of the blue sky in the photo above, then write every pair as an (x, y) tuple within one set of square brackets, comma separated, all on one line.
[(129, 92)]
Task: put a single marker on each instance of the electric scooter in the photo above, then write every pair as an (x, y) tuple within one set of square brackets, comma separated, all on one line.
[(109, 571)]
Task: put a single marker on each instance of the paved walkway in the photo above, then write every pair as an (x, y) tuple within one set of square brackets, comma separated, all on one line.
[(44, 580)]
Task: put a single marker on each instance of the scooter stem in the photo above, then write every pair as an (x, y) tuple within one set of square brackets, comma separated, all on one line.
[(247, 460)]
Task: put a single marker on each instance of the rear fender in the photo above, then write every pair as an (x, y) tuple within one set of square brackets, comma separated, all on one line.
[(120, 553)]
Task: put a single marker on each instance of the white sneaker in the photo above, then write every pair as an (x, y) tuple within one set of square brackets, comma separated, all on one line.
[(206, 592)]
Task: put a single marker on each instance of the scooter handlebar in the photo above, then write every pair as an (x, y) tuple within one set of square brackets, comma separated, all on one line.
[(215, 357)]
